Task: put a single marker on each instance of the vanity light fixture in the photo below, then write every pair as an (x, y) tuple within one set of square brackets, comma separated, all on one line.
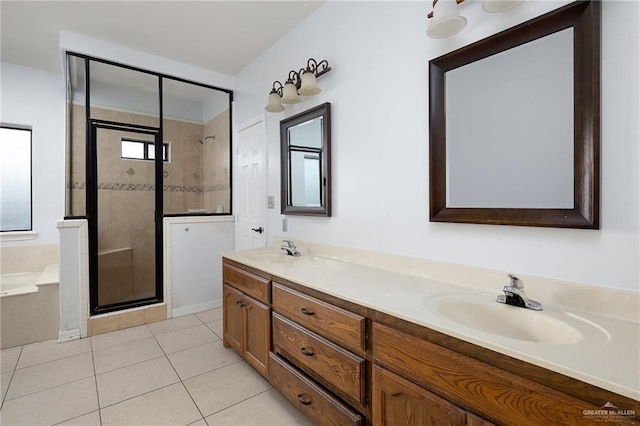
[(302, 82), (446, 21)]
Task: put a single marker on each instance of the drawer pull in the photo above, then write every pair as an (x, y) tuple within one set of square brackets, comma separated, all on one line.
[(306, 311), (306, 352), (304, 399), (240, 304)]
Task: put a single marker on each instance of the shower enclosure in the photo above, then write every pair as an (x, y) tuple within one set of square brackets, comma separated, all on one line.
[(141, 146)]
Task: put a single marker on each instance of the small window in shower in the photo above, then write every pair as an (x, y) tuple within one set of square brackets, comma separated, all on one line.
[(15, 179), (142, 150)]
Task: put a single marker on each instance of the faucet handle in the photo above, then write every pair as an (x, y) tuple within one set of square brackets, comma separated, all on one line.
[(288, 243), (515, 282)]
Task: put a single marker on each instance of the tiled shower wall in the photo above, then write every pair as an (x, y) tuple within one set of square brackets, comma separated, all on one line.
[(183, 176), (216, 190)]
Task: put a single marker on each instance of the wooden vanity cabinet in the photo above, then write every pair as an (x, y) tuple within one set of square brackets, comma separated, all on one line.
[(247, 320), (343, 364)]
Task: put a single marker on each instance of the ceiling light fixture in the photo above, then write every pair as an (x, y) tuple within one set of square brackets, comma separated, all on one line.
[(446, 21), (301, 82)]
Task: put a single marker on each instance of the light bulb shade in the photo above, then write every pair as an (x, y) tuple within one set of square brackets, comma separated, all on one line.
[(275, 103), (500, 5), (290, 93), (446, 20), (309, 86)]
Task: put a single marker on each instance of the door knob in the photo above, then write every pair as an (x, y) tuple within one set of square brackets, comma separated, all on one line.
[(258, 230)]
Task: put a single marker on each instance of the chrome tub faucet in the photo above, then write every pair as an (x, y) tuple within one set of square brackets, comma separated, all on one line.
[(290, 248), (514, 295)]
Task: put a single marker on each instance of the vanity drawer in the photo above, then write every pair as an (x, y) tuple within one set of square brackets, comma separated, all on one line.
[(336, 324), (248, 283), (313, 401), (329, 363)]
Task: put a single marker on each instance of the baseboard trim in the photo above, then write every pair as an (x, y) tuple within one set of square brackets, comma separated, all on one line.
[(193, 309), (68, 335)]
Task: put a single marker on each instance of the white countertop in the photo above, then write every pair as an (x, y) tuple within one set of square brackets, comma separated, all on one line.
[(605, 349)]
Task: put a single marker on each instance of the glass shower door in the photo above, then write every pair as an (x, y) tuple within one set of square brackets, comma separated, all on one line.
[(125, 224)]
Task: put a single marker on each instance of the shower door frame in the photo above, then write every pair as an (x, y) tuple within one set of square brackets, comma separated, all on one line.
[(91, 189), (92, 214)]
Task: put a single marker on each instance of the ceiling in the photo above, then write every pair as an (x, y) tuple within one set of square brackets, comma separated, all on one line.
[(221, 36)]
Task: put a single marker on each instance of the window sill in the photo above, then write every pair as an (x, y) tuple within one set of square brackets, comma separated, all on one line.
[(18, 235)]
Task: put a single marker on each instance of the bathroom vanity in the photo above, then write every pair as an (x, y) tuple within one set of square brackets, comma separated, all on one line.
[(352, 344)]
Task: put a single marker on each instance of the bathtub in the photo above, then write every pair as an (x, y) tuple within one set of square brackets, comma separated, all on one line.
[(29, 307)]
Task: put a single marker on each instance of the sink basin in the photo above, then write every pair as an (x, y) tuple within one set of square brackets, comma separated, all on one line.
[(508, 321)]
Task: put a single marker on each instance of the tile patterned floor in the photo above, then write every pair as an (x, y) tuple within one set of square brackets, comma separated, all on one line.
[(174, 372)]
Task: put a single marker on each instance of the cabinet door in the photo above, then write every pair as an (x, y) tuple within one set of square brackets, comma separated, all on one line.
[(233, 318), (257, 335), (473, 420), (398, 402)]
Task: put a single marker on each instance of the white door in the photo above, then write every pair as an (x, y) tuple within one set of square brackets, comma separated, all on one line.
[(250, 188)]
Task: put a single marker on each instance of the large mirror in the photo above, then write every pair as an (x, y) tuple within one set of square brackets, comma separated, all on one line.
[(515, 125), (305, 144)]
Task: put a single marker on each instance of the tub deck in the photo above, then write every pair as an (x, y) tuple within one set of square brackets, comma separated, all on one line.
[(19, 284)]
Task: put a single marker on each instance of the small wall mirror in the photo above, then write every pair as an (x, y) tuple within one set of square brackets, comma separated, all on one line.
[(305, 146), (514, 124)]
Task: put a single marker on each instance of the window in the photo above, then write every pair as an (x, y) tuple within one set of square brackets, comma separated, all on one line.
[(15, 179), (142, 150)]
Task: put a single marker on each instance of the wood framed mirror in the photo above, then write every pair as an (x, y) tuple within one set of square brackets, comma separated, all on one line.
[(305, 148), (514, 125)]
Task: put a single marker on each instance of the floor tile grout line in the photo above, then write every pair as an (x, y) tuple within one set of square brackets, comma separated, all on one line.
[(211, 371), (13, 373), (95, 379), (38, 365), (240, 402), (77, 417), (181, 329), (50, 387), (182, 382), (136, 396), (47, 389), (192, 347), (128, 365), (52, 360), (120, 343)]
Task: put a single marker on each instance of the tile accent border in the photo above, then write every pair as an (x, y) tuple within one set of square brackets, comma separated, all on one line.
[(119, 186)]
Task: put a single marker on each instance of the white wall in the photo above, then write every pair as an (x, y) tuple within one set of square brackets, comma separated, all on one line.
[(35, 98), (379, 94)]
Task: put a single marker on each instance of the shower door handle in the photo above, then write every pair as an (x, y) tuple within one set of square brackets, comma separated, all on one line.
[(258, 230)]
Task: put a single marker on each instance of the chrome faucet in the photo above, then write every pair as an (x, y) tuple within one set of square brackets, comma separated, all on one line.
[(290, 248), (514, 295)]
